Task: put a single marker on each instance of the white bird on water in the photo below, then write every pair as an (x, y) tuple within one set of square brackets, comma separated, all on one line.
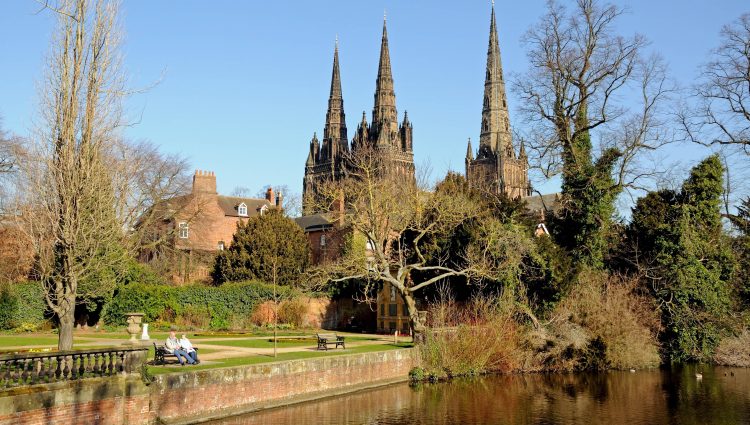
[(699, 376)]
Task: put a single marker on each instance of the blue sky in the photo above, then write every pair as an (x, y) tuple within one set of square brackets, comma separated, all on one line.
[(244, 84)]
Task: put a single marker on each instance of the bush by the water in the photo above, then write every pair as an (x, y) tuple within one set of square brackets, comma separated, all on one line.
[(478, 337), (734, 350), (22, 306), (199, 306), (602, 324)]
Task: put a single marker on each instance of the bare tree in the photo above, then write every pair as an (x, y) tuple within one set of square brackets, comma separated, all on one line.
[(580, 71), (393, 222), (71, 209), (721, 115)]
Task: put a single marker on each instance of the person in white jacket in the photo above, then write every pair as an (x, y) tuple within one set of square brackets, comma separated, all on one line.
[(188, 347)]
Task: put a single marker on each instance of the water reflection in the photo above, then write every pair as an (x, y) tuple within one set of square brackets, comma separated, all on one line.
[(645, 397)]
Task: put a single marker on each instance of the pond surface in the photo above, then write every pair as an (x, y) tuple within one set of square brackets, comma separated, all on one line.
[(664, 396)]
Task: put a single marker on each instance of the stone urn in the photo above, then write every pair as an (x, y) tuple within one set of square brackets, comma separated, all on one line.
[(134, 326)]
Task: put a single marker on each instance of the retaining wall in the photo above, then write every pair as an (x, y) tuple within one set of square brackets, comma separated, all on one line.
[(193, 396)]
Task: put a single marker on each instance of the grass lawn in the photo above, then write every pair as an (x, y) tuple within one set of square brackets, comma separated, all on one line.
[(240, 361), (261, 343)]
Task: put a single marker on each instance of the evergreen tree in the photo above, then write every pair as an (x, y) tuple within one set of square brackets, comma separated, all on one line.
[(685, 256), (270, 247)]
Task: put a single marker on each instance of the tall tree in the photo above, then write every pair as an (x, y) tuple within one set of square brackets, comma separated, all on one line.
[(401, 225), (684, 256), (270, 247), (580, 69), (721, 114), (72, 214)]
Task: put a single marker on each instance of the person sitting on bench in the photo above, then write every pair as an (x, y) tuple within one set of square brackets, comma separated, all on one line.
[(173, 346), (187, 346)]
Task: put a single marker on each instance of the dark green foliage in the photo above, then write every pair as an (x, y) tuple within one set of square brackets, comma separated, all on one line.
[(22, 306), (163, 302), (588, 197), (741, 248), (678, 243), (548, 273), (270, 247), (101, 286)]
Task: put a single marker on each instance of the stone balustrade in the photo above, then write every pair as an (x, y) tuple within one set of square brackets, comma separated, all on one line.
[(39, 368)]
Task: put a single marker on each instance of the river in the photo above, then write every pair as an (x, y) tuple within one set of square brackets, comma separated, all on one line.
[(666, 396)]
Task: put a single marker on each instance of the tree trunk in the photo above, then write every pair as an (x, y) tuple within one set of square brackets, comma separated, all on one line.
[(418, 328), (65, 332)]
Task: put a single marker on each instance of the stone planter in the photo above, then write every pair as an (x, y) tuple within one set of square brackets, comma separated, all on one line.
[(134, 326)]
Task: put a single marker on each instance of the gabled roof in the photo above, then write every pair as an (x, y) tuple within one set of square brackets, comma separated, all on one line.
[(548, 202), (320, 221), (229, 205)]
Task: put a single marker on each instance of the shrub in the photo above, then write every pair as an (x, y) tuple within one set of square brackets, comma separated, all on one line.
[(734, 351), (475, 338), (616, 324), (22, 306), (293, 312), (193, 305)]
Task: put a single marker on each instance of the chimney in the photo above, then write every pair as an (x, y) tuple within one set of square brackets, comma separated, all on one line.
[(337, 207), (204, 182), (279, 200), (269, 195)]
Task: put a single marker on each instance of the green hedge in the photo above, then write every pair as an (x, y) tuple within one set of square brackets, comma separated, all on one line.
[(22, 306), (164, 303)]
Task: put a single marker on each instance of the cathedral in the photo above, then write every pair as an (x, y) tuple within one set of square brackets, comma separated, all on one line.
[(497, 167), (327, 161)]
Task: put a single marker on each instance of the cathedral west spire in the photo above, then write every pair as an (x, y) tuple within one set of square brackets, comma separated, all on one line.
[(335, 141), (384, 116)]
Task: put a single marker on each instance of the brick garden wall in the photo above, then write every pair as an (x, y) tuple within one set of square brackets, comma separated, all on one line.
[(184, 398)]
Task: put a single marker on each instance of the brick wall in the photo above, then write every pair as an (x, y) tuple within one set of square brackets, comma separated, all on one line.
[(183, 398)]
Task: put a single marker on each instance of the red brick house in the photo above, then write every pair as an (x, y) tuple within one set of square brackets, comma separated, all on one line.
[(203, 222)]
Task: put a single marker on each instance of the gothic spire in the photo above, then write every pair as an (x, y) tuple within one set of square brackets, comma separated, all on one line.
[(469, 151), (384, 117), (334, 134), (495, 133)]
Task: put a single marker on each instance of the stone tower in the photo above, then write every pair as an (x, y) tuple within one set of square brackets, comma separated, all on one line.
[(327, 161), (384, 135), (497, 168)]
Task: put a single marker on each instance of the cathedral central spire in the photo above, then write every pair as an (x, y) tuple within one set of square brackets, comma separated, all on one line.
[(384, 117), (496, 167), (334, 133)]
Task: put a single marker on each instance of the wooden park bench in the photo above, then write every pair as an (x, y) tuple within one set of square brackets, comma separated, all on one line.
[(161, 355), (324, 340)]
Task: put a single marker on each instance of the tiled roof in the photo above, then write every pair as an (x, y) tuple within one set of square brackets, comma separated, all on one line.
[(229, 205), (315, 221), (548, 202)]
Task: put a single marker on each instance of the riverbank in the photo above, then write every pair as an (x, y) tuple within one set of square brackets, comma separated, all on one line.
[(192, 396)]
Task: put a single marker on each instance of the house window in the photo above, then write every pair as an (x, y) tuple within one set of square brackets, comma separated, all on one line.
[(393, 293), (393, 310), (221, 246), (322, 240), (382, 310), (405, 310), (184, 230), (242, 209), (263, 209)]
